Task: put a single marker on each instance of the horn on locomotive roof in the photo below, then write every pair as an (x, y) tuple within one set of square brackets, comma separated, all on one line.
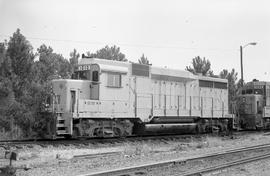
[(255, 80), (84, 56)]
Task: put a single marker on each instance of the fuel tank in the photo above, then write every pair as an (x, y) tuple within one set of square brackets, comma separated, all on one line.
[(182, 128)]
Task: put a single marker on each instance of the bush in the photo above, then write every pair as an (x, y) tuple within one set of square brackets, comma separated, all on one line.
[(5, 87), (20, 116)]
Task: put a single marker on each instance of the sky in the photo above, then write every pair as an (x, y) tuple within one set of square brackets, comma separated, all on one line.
[(168, 32)]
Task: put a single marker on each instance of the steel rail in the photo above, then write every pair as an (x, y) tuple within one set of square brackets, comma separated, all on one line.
[(105, 154), (44, 142), (103, 140), (175, 161), (226, 165)]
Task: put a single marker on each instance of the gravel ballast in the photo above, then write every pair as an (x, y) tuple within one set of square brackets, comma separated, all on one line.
[(61, 161)]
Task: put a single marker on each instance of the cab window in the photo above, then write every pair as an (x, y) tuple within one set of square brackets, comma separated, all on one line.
[(95, 76), (83, 75), (114, 80), (249, 91), (258, 91)]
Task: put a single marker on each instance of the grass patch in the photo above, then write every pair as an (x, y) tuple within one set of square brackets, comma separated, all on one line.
[(138, 149), (181, 147)]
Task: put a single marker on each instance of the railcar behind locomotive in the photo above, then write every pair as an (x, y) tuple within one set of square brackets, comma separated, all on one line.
[(111, 98), (253, 106)]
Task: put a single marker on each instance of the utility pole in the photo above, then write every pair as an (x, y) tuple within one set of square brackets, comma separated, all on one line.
[(241, 59)]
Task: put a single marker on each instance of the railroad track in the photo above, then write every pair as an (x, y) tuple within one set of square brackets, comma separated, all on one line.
[(11, 144), (227, 165), (171, 167), (104, 140), (31, 143), (97, 155)]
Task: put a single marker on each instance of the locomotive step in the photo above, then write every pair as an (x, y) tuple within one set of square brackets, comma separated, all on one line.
[(61, 132)]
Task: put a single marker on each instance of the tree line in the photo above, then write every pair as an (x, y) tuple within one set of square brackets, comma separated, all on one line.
[(25, 77)]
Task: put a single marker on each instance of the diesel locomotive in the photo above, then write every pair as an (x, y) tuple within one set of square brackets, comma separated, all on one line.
[(112, 98), (253, 106)]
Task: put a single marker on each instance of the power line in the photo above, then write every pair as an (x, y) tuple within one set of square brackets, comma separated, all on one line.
[(125, 44)]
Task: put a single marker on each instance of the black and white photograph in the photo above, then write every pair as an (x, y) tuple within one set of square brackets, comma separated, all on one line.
[(134, 88)]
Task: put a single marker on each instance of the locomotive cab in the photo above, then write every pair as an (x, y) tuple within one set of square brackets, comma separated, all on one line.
[(250, 111), (91, 73), (253, 106), (67, 94)]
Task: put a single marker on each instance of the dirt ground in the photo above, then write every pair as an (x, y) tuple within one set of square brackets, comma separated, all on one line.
[(61, 161)]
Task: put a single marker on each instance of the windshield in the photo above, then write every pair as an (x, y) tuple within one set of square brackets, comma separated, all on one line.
[(252, 91), (83, 75), (258, 91)]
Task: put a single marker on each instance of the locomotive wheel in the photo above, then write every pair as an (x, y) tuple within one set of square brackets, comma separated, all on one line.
[(76, 133), (105, 128), (259, 128), (68, 136), (216, 129), (98, 133), (117, 132), (108, 132)]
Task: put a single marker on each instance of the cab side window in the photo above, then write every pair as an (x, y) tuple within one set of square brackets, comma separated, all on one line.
[(114, 80)]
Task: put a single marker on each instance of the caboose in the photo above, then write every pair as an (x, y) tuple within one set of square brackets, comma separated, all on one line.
[(112, 98), (253, 106)]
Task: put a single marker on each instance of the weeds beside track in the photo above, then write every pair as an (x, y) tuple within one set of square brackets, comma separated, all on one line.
[(170, 167)]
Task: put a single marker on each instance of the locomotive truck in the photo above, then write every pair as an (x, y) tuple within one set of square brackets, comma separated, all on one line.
[(112, 98), (253, 106)]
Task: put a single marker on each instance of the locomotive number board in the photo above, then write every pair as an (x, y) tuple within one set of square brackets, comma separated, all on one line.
[(84, 67), (258, 87)]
